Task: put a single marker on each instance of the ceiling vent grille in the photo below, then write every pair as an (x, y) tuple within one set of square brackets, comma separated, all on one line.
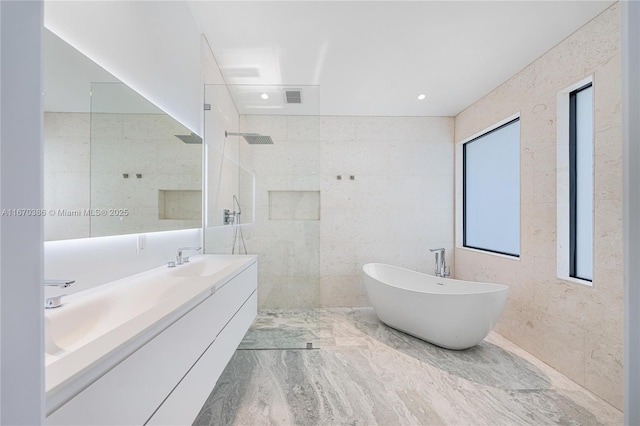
[(293, 96)]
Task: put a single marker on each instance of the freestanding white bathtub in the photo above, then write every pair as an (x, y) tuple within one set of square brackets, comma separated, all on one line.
[(449, 313)]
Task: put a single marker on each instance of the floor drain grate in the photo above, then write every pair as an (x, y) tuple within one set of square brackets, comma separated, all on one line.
[(308, 347)]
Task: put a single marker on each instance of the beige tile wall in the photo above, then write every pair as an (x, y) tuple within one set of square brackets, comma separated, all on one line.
[(66, 173), (399, 204), (574, 328), (140, 144)]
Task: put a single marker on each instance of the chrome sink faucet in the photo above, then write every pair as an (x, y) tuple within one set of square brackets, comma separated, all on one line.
[(441, 269), (184, 259), (56, 302)]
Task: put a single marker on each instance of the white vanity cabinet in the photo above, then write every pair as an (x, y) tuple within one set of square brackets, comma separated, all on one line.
[(167, 380)]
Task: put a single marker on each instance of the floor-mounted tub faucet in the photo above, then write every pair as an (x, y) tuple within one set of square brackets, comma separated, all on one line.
[(441, 269), (184, 259), (56, 302)]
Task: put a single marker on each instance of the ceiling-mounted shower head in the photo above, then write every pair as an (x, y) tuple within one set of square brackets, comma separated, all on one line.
[(190, 139), (252, 138)]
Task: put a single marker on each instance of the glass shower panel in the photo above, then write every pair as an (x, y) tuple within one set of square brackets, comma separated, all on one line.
[(277, 187)]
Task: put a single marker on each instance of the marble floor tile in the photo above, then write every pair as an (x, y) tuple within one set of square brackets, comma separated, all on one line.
[(363, 372), (288, 329)]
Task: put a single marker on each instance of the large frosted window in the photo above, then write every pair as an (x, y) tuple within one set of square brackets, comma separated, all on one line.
[(581, 182), (492, 190)]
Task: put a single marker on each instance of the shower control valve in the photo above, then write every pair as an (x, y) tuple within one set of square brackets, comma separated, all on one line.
[(229, 217)]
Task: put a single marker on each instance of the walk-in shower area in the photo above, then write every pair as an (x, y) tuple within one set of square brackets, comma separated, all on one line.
[(264, 201)]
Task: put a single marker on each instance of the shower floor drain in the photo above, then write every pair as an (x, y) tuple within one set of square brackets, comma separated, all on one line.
[(308, 347)]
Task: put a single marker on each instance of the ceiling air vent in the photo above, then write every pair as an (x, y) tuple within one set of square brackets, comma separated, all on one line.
[(293, 96)]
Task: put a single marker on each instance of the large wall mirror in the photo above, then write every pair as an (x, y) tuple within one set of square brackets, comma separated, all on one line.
[(114, 163)]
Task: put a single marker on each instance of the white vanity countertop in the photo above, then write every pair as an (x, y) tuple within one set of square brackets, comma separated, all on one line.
[(96, 329)]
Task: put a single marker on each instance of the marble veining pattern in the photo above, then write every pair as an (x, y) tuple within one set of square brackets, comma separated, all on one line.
[(363, 372)]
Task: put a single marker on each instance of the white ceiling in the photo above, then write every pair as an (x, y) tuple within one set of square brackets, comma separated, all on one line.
[(375, 57)]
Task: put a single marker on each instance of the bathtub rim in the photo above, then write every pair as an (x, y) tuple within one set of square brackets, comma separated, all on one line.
[(489, 287)]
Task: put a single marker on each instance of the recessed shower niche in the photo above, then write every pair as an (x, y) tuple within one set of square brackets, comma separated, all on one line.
[(179, 204)]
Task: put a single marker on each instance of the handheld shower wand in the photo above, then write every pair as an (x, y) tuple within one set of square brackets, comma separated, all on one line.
[(237, 225)]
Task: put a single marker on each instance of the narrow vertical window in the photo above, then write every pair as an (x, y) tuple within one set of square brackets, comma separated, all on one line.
[(581, 183), (491, 190)]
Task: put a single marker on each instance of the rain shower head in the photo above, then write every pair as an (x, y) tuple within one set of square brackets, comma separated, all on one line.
[(258, 139), (190, 139), (252, 138)]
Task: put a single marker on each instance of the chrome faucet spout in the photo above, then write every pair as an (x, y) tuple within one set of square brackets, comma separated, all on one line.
[(56, 302), (180, 259), (441, 269), (58, 283)]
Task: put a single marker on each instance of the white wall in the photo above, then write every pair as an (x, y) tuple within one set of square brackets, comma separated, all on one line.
[(21, 311), (95, 261), (152, 46)]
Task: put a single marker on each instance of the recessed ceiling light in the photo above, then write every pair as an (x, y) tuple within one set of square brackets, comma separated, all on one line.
[(421, 96), (264, 96)]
